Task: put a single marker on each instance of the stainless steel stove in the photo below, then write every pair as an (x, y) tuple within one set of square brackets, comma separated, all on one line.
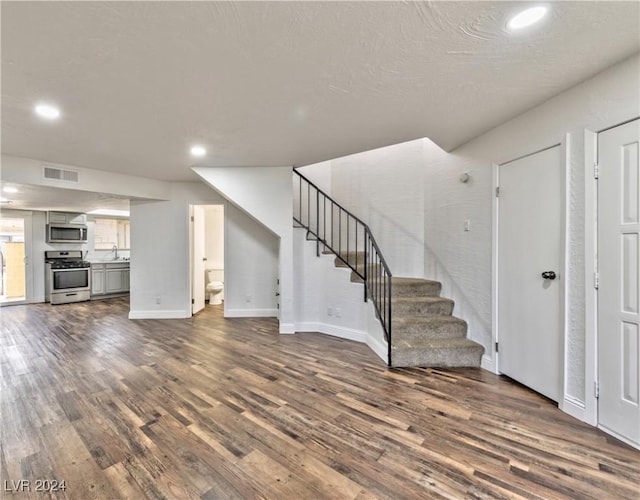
[(68, 276)]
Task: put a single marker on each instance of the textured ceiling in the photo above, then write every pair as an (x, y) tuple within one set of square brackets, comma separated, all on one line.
[(283, 83)]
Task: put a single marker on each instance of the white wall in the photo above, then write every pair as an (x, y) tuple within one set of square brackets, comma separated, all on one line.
[(328, 302), (417, 184), (29, 171), (384, 188), (319, 174), (214, 236), (160, 257), (251, 271), (265, 194), (160, 268)]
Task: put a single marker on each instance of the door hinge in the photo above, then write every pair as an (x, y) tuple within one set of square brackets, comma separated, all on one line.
[(496, 347), (596, 280), (596, 389), (497, 191), (192, 219), (596, 170), (193, 301)]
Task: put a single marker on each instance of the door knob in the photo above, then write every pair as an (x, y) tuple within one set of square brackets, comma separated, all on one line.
[(549, 275)]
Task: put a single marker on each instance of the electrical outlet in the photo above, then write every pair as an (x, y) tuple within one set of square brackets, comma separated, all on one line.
[(329, 311), (158, 300), (467, 225), (338, 312), (248, 299)]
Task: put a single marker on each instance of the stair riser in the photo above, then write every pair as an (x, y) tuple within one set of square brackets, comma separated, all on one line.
[(413, 332), (431, 289), (441, 307), (432, 358), (339, 263), (356, 279)]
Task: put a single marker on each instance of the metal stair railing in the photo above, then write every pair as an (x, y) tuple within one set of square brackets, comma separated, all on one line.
[(337, 230)]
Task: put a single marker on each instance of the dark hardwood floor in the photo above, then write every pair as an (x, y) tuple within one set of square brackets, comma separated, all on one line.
[(213, 408)]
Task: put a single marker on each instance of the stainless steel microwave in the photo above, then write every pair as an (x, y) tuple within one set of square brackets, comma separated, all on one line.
[(66, 233)]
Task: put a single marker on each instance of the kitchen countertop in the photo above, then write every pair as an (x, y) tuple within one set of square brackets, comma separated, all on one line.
[(109, 261)]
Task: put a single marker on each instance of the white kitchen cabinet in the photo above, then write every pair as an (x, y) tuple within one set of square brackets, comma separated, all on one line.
[(114, 281), (110, 278), (97, 279), (67, 218)]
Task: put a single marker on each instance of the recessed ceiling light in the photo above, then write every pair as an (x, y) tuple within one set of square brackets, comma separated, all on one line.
[(9, 189), (526, 18), (198, 151), (47, 111)]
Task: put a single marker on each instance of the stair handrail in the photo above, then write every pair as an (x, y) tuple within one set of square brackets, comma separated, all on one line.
[(373, 270)]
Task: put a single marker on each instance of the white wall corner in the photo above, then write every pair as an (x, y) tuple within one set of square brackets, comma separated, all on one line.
[(160, 314), (287, 328), (377, 347), (489, 363)]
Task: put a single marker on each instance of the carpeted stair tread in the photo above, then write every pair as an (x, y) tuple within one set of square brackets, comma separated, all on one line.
[(430, 353), (414, 287), (351, 258), (415, 306), (428, 326)]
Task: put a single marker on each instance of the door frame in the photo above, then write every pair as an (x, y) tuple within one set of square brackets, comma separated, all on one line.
[(226, 253), (590, 410), (29, 252), (494, 362)]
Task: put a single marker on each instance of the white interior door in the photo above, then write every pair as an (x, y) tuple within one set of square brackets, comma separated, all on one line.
[(198, 292), (530, 243), (618, 292)]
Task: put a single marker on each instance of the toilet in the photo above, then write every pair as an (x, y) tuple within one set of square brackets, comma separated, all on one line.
[(215, 286)]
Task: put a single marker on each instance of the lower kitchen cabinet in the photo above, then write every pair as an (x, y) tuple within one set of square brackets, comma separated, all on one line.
[(109, 278), (97, 279)]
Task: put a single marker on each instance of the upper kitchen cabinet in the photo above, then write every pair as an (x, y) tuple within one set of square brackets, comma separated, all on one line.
[(66, 218)]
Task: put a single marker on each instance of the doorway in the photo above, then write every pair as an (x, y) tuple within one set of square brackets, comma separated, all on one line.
[(207, 256), (618, 281), (14, 261), (531, 270)]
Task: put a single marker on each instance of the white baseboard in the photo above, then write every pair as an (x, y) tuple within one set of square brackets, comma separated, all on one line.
[(620, 437), (488, 363), (378, 347), (38, 299), (160, 314), (333, 330), (251, 313), (573, 407), (287, 328)]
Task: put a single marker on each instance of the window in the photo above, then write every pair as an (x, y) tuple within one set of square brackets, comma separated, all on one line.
[(110, 232)]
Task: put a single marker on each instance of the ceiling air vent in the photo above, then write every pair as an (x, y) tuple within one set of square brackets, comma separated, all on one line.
[(59, 174)]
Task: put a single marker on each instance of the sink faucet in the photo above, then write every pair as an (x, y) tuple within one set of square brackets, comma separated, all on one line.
[(115, 252)]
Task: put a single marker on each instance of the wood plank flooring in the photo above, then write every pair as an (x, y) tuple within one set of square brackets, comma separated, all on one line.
[(214, 409)]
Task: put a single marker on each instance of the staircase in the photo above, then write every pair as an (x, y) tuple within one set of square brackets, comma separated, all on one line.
[(425, 333)]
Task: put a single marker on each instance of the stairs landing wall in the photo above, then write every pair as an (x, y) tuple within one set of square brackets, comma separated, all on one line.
[(320, 288)]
